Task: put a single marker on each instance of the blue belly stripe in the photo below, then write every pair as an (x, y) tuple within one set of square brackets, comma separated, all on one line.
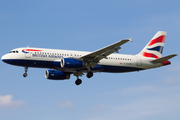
[(52, 64)]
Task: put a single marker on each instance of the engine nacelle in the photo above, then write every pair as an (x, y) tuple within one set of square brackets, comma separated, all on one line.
[(71, 63), (56, 75)]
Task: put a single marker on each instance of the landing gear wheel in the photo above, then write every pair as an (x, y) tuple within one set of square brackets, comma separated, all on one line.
[(25, 75), (25, 69), (89, 74), (78, 81)]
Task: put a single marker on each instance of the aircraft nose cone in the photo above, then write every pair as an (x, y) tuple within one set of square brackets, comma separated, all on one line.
[(8, 59), (4, 58)]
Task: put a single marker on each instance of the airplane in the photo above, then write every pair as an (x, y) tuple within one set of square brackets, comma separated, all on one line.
[(63, 63)]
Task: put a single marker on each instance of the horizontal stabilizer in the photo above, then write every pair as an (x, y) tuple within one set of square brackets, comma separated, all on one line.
[(160, 60)]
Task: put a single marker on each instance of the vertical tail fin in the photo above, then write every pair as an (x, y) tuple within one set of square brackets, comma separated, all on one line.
[(155, 46)]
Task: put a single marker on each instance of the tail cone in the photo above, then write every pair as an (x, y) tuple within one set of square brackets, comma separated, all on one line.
[(166, 63)]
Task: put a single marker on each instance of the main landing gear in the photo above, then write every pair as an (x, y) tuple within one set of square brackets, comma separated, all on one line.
[(25, 69), (78, 81), (89, 74), (77, 74)]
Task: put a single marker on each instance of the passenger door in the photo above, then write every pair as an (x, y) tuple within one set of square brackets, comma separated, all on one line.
[(28, 55), (139, 61)]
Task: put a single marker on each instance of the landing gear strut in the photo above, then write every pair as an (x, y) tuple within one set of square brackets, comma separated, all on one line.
[(89, 74), (25, 74)]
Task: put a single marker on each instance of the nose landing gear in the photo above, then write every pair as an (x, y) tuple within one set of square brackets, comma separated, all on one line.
[(25, 69)]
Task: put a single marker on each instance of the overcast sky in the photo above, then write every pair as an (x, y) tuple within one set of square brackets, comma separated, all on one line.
[(89, 25)]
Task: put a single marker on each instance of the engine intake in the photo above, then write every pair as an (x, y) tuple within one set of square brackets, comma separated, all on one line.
[(71, 63), (56, 75)]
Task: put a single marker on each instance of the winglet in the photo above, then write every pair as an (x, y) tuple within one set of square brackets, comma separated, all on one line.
[(130, 39)]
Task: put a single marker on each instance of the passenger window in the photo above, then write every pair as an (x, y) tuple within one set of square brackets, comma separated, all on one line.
[(16, 51)]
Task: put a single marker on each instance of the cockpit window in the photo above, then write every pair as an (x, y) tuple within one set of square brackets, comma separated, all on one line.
[(13, 51)]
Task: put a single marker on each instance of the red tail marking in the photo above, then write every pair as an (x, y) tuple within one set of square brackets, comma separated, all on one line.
[(157, 40), (145, 54)]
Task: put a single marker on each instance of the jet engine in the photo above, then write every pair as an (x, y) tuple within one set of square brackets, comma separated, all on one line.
[(71, 63), (56, 75)]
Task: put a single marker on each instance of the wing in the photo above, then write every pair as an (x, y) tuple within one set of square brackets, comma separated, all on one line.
[(97, 55)]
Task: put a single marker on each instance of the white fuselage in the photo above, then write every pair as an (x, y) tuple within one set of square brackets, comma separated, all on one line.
[(51, 58)]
